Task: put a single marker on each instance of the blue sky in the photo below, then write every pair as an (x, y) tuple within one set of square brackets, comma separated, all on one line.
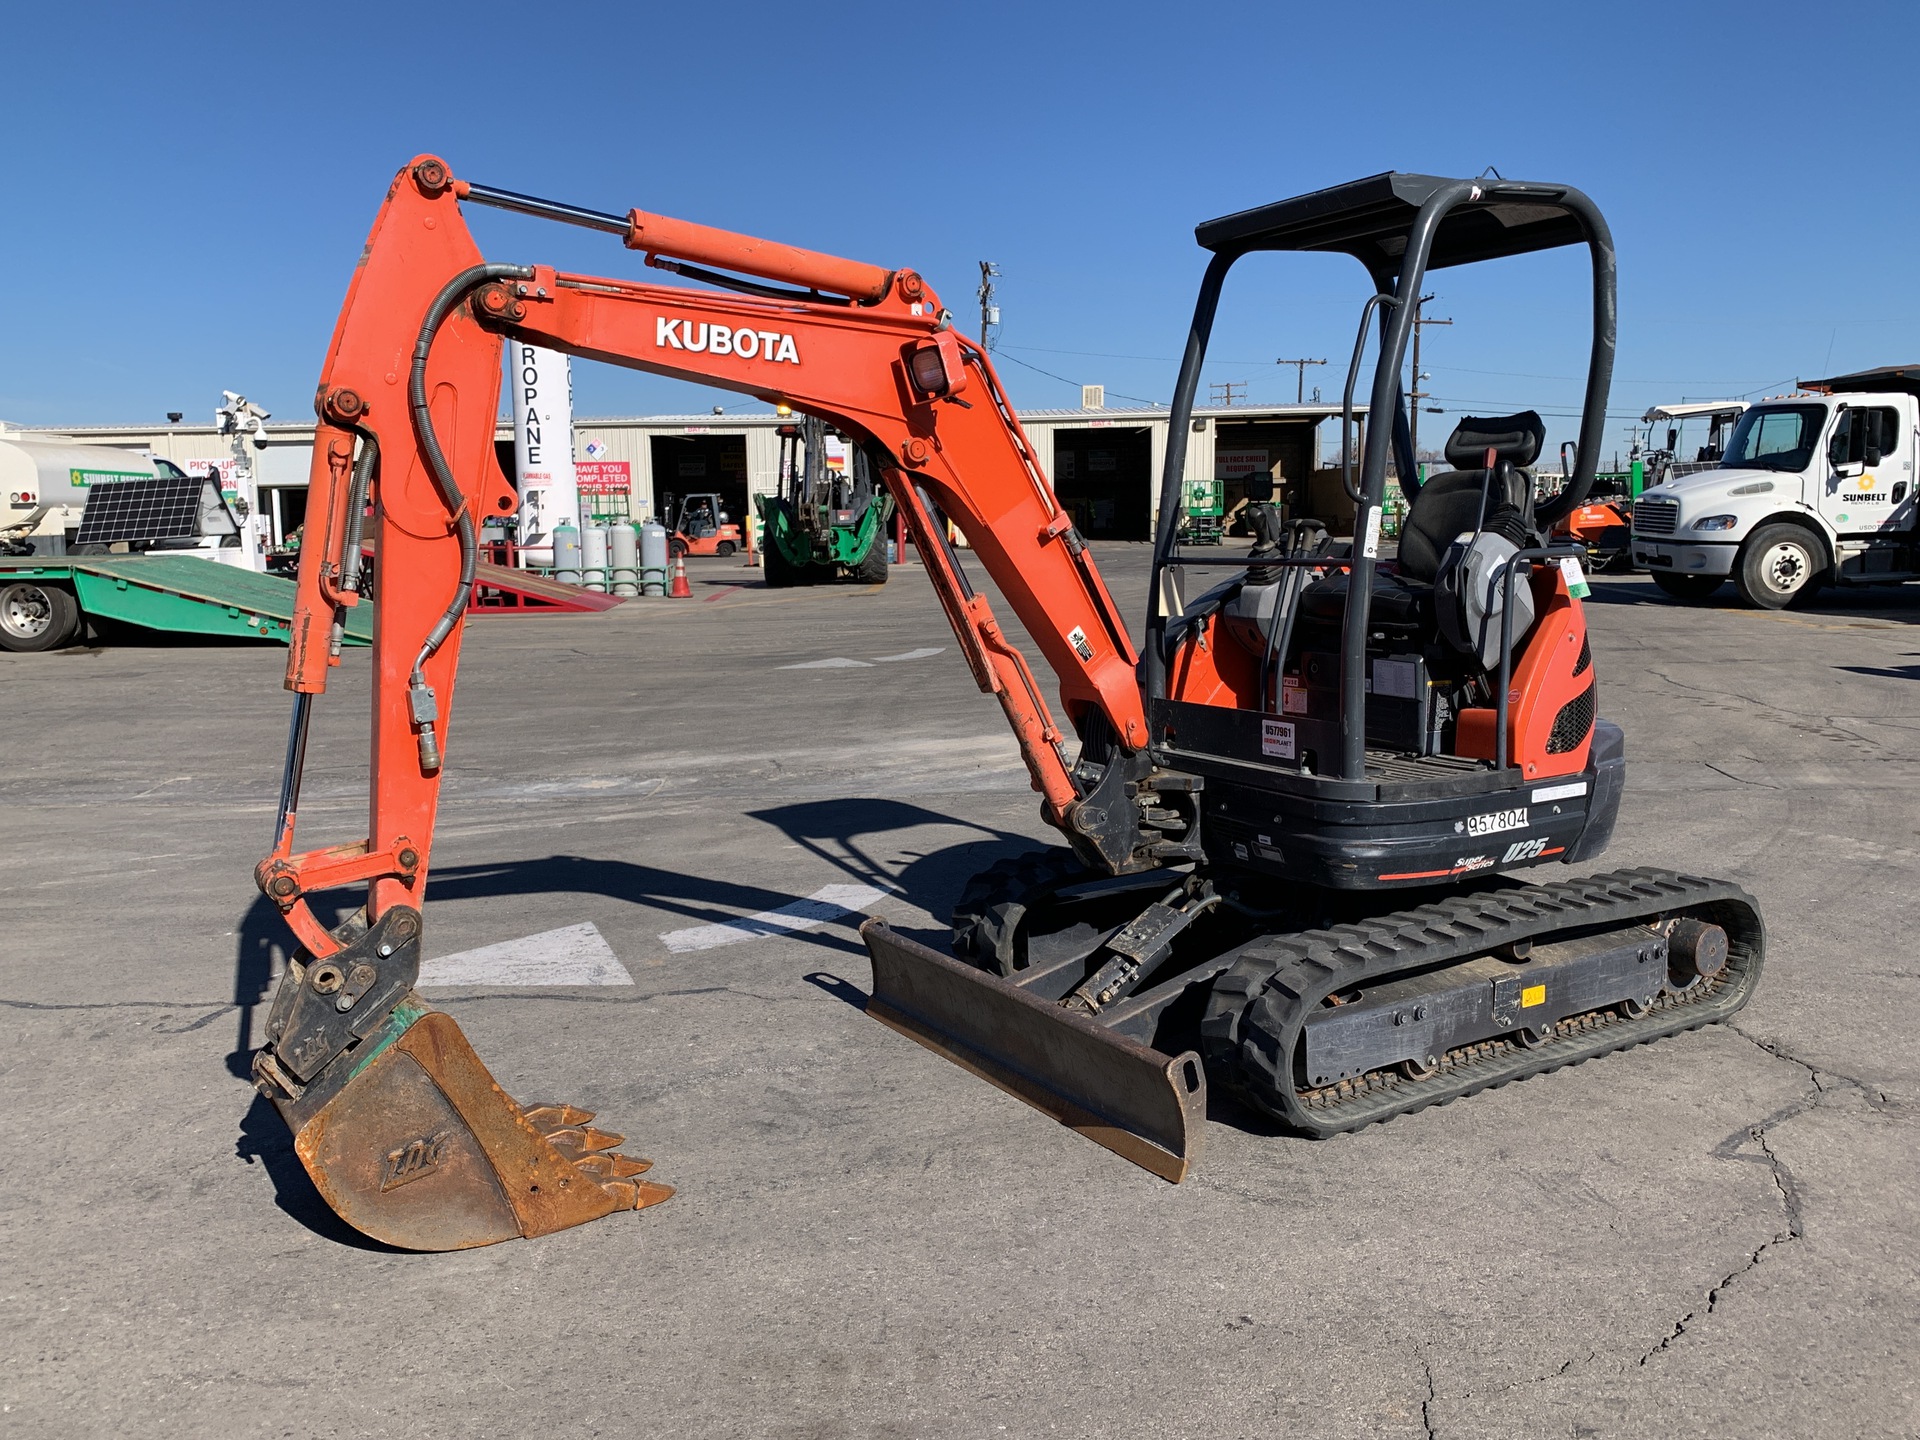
[(189, 185)]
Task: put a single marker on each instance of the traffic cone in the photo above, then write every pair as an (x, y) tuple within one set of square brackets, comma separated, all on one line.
[(680, 590)]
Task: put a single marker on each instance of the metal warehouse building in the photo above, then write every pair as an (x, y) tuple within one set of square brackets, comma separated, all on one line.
[(1105, 464)]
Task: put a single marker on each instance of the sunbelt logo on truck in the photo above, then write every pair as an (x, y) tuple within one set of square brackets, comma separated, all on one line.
[(705, 339)]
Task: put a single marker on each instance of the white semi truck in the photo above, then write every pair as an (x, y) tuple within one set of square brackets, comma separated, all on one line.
[(1815, 488)]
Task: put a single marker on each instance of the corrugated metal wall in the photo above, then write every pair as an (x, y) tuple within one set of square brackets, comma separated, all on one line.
[(285, 460)]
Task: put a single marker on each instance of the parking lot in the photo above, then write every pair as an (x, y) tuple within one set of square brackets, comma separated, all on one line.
[(868, 1241)]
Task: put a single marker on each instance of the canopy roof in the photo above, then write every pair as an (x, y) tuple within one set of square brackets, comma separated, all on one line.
[(1369, 219)]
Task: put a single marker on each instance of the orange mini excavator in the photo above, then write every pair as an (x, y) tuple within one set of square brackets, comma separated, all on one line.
[(1324, 737)]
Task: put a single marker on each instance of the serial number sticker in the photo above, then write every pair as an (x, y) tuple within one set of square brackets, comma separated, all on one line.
[(1498, 820), (1276, 739), (1533, 995), (1559, 792)]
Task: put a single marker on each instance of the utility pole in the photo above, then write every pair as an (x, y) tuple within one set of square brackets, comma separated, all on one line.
[(1228, 392), (1300, 377), (1416, 395), (989, 312)]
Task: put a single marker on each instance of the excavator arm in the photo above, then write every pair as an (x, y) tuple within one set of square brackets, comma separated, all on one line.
[(395, 1118)]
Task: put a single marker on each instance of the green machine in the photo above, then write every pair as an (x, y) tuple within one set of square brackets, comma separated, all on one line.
[(827, 522), (1203, 512)]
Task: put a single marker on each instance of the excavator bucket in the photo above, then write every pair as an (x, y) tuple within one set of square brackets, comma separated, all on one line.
[(1143, 1105), (402, 1129)]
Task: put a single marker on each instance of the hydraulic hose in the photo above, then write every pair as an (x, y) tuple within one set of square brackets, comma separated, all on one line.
[(444, 305), (420, 697)]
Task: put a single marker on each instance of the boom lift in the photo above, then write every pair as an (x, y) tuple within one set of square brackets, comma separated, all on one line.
[(1277, 757), (825, 523)]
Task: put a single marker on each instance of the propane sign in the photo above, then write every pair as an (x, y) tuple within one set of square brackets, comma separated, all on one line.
[(542, 385)]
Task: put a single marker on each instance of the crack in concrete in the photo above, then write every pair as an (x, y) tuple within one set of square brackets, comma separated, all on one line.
[(1426, 1405), (1786, 1188)]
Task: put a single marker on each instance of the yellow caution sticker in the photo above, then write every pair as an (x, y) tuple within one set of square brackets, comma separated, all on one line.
[(1533, 995)]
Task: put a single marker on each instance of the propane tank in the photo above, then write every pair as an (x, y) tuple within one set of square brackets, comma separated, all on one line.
[(566, 554), (593, 553), (653, 559), (623, 552)]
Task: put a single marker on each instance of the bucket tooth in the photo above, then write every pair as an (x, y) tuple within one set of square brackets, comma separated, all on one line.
[(556, 1117)]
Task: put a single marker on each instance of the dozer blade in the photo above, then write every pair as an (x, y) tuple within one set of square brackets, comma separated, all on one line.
[(402, 1129), (1147, 1107)]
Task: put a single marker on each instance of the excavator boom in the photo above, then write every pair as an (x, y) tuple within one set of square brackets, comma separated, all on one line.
[(395, 1118)]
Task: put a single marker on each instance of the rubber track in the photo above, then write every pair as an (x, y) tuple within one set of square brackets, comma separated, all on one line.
[(1259, 1005)]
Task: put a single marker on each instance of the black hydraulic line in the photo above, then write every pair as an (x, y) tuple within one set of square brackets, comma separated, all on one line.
[(1167, 525), (295, 767), (548, 209), (745, 287), (351, 560), (444, 304), (622, 226)]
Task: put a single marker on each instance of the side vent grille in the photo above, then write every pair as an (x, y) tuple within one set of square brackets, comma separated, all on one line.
[(1585, 662), (1573, 723)]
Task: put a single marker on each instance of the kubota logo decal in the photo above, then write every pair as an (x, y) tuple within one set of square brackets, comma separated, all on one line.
[(706, 339), (413, 1160)]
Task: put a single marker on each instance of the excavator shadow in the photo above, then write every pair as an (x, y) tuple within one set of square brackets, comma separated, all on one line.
[(843, 833), (264, 1138)]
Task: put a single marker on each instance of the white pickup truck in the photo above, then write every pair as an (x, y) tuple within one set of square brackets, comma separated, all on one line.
[(1814, 489)]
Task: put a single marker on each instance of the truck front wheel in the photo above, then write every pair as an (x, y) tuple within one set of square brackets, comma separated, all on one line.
[(36, 617), (1687, 587), (1778, 565)]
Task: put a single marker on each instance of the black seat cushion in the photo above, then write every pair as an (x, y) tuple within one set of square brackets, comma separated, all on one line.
[(1397, 602), (1515, 439)]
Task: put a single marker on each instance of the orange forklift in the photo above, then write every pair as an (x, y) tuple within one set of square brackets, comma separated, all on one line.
[(699, 526)]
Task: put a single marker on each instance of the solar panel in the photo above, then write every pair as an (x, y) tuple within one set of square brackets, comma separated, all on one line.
[(167, 507)]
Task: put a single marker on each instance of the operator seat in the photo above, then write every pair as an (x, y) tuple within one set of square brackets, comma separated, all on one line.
[(1454, 503)]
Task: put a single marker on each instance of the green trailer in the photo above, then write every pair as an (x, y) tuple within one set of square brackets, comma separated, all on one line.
[(826, 523), (46, 601)]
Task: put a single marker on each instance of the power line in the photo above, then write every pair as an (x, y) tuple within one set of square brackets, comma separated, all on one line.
[(1075, 383), (1300, 377)]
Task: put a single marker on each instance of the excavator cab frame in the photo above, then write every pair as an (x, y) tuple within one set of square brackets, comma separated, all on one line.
[(1399, 227)]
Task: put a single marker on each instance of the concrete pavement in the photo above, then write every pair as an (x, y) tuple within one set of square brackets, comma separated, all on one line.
[(1716, 1235)]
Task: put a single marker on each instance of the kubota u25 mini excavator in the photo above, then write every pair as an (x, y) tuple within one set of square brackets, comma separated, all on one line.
[(1318, 738)]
